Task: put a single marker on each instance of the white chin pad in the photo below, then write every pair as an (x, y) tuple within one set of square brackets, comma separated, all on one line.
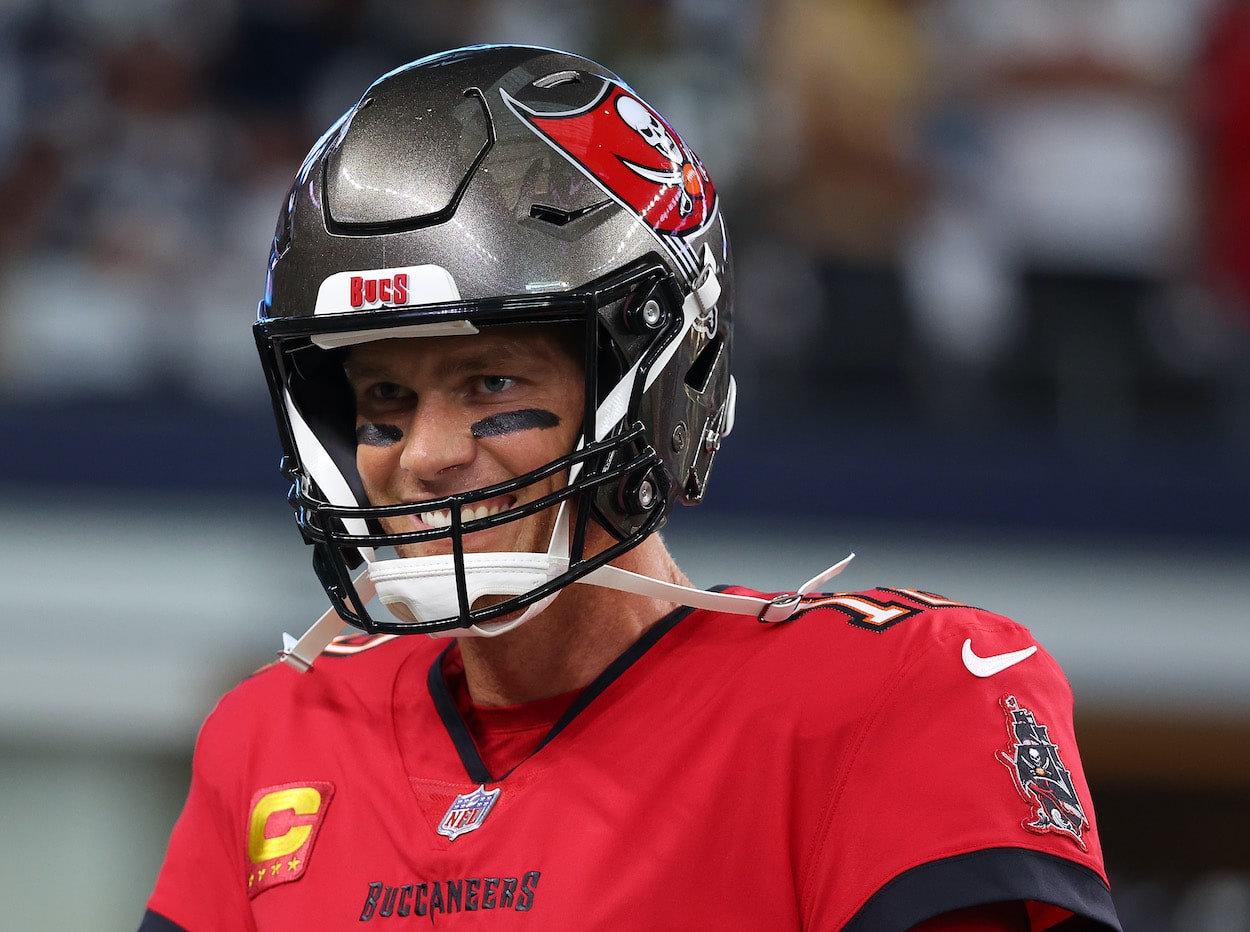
[(422, 589)]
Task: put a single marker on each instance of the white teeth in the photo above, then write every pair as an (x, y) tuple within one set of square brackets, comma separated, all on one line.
[(442, 517), (484, 510)]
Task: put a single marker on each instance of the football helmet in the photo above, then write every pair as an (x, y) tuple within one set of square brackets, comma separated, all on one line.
[(481, 187)]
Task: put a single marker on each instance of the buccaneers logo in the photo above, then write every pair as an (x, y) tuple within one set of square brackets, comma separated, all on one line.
[(633, 153), (1040, 775)]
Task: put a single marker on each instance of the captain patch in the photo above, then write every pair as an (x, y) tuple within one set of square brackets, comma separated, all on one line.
[(282, 826)]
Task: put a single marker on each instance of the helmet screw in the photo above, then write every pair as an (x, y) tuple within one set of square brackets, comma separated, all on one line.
[(651, 313), (640, 495), (679, 437), (644, 316)]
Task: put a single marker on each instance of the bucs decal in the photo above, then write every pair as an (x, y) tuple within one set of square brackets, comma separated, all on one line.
[(634, 154), (1040, 776), (283, 822)]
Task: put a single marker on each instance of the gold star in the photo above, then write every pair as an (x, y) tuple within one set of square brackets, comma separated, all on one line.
[(292, 864), (277, 865)]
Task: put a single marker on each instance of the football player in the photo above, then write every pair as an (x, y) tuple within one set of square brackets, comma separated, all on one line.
[(497, 330)]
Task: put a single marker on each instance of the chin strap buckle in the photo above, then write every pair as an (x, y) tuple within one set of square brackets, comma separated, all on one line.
[(780, 608), (300, 653), (783, 607)]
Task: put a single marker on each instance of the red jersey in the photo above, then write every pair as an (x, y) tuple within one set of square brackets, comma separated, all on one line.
[(881, 758)]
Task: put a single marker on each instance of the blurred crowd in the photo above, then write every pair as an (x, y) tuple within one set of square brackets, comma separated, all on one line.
[(960, 210), (1039, 203)]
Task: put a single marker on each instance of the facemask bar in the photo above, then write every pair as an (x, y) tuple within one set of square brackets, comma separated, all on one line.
[(339, 530), (329, 540)]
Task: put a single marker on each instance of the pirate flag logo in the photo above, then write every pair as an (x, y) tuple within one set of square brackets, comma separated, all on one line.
[(629, 149), (1040, 775)]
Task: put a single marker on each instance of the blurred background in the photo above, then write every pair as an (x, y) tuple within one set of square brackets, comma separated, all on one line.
[(993, 335)]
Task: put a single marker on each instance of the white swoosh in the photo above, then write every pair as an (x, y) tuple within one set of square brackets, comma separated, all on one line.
[(988, 666)]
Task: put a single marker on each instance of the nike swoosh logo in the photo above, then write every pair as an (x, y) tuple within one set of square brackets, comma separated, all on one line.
[(988, 666)]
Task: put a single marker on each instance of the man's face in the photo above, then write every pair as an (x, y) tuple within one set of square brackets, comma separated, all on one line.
[(440, 415)]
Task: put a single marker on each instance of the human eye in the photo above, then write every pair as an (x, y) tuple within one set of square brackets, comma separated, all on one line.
[(387, 391), (494, 384), (380, 396)]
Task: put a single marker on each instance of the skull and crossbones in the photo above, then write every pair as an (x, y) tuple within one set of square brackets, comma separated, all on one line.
[(684, 176)]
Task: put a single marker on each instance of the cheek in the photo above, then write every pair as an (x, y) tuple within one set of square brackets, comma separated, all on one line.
[(523, 451), (375, 464)]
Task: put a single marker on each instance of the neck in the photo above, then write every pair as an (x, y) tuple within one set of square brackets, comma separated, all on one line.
[(573, 640)]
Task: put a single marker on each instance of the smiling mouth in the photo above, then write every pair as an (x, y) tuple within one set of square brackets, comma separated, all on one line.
[(442, 517)]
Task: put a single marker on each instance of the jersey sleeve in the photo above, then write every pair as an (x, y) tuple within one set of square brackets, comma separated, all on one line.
[(964, 786), (200, 884)]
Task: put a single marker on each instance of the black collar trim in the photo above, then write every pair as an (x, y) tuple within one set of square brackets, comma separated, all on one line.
[(458, 731)]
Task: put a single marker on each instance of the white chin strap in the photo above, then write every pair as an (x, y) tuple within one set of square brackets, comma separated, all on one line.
[(301, 654)]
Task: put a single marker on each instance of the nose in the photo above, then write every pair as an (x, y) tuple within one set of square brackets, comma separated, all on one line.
[(439, 440)]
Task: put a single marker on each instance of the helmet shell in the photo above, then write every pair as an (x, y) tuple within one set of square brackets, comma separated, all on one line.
[(540, 187)]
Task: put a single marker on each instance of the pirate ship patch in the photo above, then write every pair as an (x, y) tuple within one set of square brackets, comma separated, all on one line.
[(1040, 776)]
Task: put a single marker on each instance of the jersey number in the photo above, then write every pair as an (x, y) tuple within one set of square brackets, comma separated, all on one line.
[(876, 614)]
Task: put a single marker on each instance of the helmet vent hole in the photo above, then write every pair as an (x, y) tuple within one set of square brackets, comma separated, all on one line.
[(553, 215), (704, 365), (557, 217), (560, 77)]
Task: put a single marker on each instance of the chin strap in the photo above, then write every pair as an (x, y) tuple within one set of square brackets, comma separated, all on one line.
[(301, 653), (778, 608)]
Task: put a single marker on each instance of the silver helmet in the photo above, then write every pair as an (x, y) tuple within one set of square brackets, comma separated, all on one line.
[(484, 186)]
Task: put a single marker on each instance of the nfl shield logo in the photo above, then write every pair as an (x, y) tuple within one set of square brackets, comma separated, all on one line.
[(467, 812)]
